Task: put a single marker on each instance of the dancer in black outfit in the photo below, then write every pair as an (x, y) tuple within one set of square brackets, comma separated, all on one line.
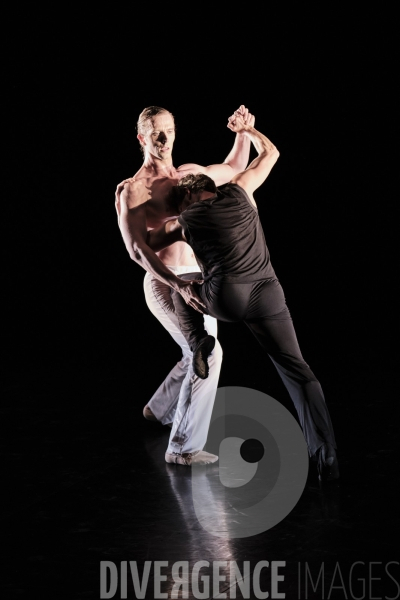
[(239, 284)]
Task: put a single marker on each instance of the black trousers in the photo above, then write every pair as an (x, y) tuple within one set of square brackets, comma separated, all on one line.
[(262, 307)]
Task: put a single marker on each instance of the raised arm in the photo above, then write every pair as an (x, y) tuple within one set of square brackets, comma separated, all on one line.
[(237, 159), (259, 169), (132, 223)]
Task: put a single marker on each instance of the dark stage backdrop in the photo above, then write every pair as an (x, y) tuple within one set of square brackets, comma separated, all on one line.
[(74, 299), (321, 88)]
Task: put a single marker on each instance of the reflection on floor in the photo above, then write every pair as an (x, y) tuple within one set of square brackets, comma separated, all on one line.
[(87, 483)]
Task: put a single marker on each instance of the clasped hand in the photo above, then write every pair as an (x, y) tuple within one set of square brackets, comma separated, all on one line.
[(240, 118)]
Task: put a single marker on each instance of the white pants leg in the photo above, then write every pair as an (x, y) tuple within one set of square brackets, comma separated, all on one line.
[(183, 398)]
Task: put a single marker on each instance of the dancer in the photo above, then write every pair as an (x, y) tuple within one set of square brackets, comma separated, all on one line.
[(183, 400), (239, 284)]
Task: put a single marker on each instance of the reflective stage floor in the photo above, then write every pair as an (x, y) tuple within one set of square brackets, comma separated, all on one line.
[(86, 483)]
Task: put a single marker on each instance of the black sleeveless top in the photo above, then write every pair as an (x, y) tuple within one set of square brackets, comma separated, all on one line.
[(226, 236)]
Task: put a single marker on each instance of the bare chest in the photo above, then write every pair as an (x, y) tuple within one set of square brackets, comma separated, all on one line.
[(158, 209)]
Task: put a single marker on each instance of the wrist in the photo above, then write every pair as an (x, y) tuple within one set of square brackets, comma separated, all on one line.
[(245, 131), (242, 139), (177, 284)]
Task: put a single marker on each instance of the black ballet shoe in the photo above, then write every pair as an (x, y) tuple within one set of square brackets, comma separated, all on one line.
[(150, 416), (328, 466), (201, 354)]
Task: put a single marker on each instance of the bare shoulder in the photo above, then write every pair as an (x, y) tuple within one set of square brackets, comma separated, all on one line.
[(134, 192), (190, 168)]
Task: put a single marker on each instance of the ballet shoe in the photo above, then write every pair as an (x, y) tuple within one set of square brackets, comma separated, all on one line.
[(199, 457), (149, 415), (201, 354), (327, 465)]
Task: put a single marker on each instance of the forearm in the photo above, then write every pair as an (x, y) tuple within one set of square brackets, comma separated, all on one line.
[(260, 141), (259, 169), (145, 256), (164, 236), (148, 260), (238, 157), (140, 252)]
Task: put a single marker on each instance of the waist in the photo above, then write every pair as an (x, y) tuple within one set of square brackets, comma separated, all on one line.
[(177, 254), (220, 278), (240, 276), (181, 269)]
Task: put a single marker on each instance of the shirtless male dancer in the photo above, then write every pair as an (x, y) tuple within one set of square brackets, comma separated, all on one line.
[(183, 399), (239, 284)]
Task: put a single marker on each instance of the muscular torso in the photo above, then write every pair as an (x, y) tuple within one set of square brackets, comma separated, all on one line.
[(156, 190)]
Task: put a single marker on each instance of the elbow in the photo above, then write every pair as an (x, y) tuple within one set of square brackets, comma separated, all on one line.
[(270, 155), (271, 152), (135, 256), (136, 253), (274, 154), (274, 151)]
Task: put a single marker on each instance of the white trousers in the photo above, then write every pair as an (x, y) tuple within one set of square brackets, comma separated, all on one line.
[(183, 398)]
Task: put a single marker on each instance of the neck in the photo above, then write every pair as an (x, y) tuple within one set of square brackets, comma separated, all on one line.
[(163, 168)]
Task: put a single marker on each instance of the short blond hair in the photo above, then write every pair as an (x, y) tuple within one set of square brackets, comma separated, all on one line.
[(145, 116)]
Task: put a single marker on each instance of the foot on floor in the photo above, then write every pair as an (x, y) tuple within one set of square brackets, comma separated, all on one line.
[(328, 466), (200, 457)]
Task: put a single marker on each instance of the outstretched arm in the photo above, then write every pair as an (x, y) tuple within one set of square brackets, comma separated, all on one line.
[(259, 169), (132, 222), (237, 159)]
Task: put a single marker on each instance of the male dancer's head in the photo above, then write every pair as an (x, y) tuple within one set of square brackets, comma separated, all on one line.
[(191, 188), (156, 133)]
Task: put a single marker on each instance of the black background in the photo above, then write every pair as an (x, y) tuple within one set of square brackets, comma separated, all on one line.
[(321, 86)]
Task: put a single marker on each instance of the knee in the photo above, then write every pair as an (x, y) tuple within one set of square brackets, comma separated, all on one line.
[(301, 372), (313, 384), (308, 378)]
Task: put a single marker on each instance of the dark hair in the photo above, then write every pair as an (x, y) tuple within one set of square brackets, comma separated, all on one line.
[(197, 183), (194, 183)]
